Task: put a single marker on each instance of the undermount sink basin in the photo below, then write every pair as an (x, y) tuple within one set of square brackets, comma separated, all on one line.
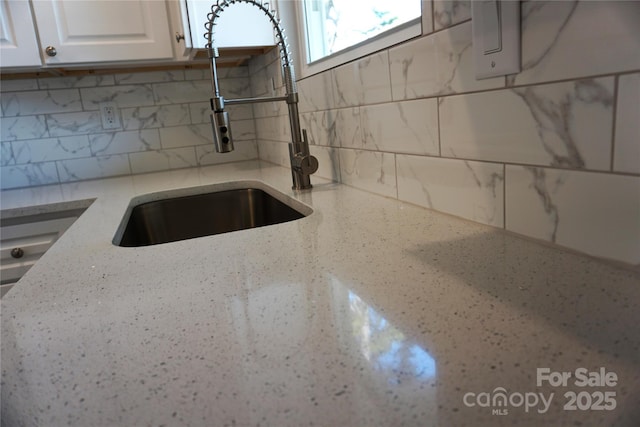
[(186, 217)]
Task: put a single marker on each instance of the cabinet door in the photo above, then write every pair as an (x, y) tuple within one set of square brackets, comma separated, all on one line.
[(179, 21), (239, 25), (103, 30), (31, 240), (18, 43)]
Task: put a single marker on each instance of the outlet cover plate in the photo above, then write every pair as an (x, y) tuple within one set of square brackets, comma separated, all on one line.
[(109, 115)]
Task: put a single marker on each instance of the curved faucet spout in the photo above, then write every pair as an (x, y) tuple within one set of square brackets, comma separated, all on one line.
[(303, 164)]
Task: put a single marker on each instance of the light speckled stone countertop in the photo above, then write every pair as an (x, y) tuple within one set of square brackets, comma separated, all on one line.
[(368, 312)]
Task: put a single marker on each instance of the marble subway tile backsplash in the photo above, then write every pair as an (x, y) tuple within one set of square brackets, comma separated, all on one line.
[(436, 65), (369, 170), (450, 12), (157, 160), (52, 132), (93, 167), (552, 153), (365, 81), (561, 124), (401, 127), (472, 190), (627, 140), (40, 102), (50, 149), (591, 212), (572, 39)]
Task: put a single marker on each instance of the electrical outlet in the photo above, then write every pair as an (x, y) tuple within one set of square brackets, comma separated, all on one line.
[(109, 115)]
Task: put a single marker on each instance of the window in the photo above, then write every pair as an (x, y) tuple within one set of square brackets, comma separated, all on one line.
[(340, 28)]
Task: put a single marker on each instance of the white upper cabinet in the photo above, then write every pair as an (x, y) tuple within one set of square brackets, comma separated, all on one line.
[(239, 25), (73, 31), (18, 42)]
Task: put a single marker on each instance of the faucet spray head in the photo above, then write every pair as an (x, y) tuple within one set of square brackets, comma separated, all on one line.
[(220, 125)]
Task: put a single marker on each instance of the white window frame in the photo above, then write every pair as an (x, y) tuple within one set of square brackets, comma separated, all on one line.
[(392, 37)]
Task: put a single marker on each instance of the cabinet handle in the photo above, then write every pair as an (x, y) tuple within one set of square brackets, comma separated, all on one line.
[(51, 51), (179, 37), (17, 253)]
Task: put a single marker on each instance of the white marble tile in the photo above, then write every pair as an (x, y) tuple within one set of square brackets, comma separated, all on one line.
[(318, 130), (243, 130), (70, 124), (185, 136), (316, 92), (149, 77), (93, 167), (40, 102), (328, 162), (18, 84), (223, 73), (182, 92), (6, 154), (562, 39), (260, 61), (199, 74), (472, 190), (274, 151), (591, 212), (199, 90), (565, 125), (362, 82), (450, 12), (155, 117), (347, 127), (273, 128), (124, 142), (402, 127), (231, 72), (234, 88), (49, 149), (334, 128), (123, 96), (238, 112), (427, 17), (626, 156), (23, 127), (438, 64), (243, 150), (151, 161), (76, 82), (268, 81), (269, 109), (369, 170), (28, 175)]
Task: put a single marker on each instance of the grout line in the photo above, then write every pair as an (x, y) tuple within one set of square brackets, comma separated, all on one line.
[(433, 16), (504, 196), (497, 162), (496, 89), (395, 161), (614, 121), (438, 124), (55, 163)]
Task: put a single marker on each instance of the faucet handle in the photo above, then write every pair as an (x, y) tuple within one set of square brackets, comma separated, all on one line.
[(303, 161), (306, 164)]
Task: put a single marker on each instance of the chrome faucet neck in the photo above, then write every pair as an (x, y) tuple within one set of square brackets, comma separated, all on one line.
[(303, 164)]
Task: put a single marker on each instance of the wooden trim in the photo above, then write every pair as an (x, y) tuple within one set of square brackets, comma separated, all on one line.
[(229, 57), (77, 72)]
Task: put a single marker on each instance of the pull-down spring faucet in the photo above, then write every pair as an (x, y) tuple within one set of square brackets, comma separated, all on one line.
[(303, 164)]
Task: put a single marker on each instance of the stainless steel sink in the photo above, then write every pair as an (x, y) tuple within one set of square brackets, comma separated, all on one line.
[(187, 217)]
